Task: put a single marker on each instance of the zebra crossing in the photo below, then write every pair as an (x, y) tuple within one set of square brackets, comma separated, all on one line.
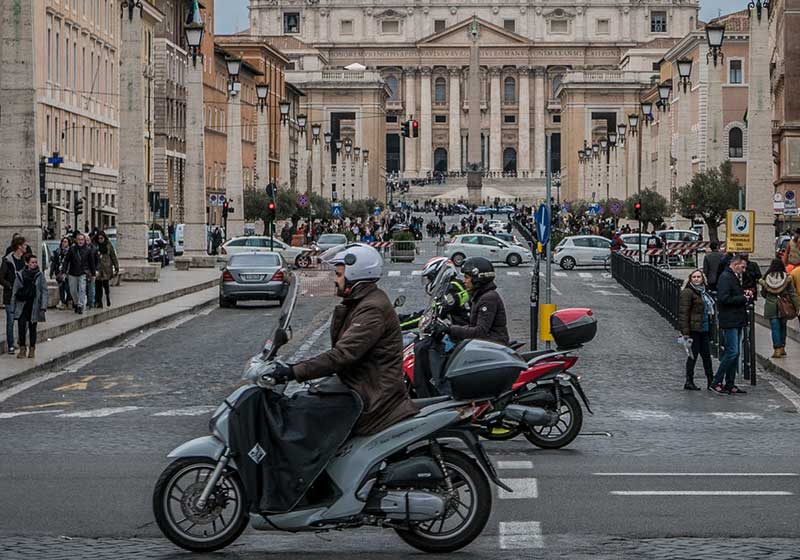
[(519, 534)]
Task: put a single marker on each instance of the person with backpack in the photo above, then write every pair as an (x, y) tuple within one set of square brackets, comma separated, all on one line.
[(29, 304), (781, 303)]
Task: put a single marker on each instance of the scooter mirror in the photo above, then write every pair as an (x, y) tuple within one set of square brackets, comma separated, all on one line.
[(400, 301)]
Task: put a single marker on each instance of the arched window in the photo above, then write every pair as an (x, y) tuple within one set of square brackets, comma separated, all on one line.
[(509, 160), (391, 83), (510, 90), (440, 90), (440, 160), (735, 143), (556, 82)]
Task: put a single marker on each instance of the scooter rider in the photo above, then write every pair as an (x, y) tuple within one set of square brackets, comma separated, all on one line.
[(456, 301), (487, 319), (367, 345)]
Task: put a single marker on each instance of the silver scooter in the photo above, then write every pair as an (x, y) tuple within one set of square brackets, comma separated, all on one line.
[(407, 478)]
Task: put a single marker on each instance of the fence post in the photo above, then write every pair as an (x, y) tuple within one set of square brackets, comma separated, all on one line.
[(751, 340)]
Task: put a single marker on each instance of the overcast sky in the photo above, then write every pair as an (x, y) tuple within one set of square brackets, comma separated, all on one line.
[(233, 17)]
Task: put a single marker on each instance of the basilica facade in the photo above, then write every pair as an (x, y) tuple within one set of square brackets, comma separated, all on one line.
[(420, 49)]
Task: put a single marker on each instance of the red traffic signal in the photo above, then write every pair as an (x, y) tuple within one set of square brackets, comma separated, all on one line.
[(271, 205), (637, 206), (414, 129)]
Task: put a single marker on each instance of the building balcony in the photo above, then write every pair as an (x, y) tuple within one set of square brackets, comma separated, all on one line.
[(484, 106), (394, 106)]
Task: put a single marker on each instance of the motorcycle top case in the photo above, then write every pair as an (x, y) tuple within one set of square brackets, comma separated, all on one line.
[(573, 327), (479, 369)]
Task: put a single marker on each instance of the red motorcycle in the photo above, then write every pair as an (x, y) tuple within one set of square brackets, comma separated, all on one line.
[(547, 383)]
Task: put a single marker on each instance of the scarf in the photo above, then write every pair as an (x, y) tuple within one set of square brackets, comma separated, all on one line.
[(708, 301)]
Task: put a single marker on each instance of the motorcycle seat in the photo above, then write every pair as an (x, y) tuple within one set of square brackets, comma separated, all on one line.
[(422, 403), (528, 356)]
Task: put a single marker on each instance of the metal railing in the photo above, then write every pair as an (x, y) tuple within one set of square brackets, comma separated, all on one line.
[(657, 288)]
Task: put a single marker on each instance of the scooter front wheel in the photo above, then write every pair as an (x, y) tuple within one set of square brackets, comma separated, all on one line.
[(206, 529)]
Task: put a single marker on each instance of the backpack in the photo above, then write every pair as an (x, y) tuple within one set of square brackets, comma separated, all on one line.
[(28, 291)]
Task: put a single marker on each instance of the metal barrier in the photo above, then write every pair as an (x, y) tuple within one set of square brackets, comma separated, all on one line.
[(659, 289)]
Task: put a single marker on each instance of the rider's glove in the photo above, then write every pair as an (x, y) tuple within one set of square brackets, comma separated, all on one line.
[(440, 328), (283, 373)]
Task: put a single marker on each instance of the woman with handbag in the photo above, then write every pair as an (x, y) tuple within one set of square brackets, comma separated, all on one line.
[(791, 255), (781, 303), (696, 316)]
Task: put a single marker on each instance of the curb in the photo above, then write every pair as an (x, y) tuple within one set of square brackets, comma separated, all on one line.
[(777, 369), (59, 361), (794, 334), (114, 312)]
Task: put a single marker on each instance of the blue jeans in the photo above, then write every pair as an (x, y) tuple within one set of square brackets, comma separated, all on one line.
[(9, 328), (778, 327), (729, 360)]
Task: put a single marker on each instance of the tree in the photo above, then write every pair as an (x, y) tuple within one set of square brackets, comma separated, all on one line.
[(710, 195), (255, 206), (654, 208)]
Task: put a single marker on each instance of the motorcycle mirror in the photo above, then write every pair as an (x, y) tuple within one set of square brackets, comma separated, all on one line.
[(400, 301)]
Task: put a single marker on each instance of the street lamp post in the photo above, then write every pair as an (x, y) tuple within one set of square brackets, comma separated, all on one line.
[(234, 227), (365, 173), (262, 131), (302, 154), (316, 176), (339, 190), (633, 127), (326, 167), (284, 171), (685, 72), (715, 37), (348, 169)]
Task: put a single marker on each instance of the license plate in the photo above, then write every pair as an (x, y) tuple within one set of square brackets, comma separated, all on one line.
[(252, 276)]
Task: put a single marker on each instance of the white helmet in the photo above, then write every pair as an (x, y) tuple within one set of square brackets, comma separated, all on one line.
[(431, 270), (362, 263)]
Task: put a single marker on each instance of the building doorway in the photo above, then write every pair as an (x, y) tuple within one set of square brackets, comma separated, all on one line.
[(392, 153), (509, 160), (440, 160)]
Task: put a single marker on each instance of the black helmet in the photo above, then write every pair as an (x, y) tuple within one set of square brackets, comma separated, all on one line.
[(479, 269)]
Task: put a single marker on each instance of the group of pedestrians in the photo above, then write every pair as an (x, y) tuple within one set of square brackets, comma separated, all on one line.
[(83, 268)]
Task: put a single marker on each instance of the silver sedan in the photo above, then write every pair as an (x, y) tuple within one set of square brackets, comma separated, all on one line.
[(254, 276)]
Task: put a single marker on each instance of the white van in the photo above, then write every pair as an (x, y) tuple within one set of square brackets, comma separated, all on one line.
[(178, 240)]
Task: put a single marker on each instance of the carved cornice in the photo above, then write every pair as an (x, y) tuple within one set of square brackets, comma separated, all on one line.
[(523, 71), (559, 13), (425, 71), (455, 71), (495, 71)]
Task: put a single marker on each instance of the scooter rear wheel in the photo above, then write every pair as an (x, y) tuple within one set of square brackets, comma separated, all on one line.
[(564, 432), (200, 530)]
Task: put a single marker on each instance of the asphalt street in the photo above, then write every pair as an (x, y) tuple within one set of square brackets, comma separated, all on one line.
[(658, 472)]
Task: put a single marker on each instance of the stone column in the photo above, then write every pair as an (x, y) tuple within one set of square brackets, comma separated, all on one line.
[(195, 199), (714, 140), (524, 119), (316, 175), (539, 151), (233, 173), (454, 151), (327, 176), (760, 189), (495, 122), (358, 180), (365, 180), (663, 171), (262, 149), (683, 127), (284, 165), (302, 161), (410, 147), (340, 165), (20, 208), (426, 131), (132, 201), (347, 191), (86, 194)]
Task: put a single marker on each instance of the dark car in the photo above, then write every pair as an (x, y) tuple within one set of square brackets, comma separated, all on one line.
[(254, 276)]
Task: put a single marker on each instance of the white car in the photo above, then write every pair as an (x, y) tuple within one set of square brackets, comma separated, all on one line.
[(679, 234), (496, 250), (635, 241), (582, 250), (261, 243)]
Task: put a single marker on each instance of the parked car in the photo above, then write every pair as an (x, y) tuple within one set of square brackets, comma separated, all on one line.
[(48, 248), (261, 244), (254, 276), (157, 248), (506, 210), (679, 235), (509, 238), (179, 230), (496, 250), (328, 240), (581, 250)]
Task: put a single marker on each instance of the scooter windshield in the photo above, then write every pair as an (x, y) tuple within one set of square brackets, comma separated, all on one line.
[(438, 291)]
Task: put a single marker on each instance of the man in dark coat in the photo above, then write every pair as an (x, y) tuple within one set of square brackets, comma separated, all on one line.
[(711, 266), (11, 264), (80, 266), (732, 309), (366, 343), (487, 317)]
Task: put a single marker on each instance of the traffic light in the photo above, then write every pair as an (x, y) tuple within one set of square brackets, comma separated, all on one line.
[(271, 210), (637, 210), (78, 204), (415, 129), (272, 190), (406, 129), (226, 209)]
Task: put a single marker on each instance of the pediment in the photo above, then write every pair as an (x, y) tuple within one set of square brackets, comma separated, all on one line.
[(458, 35)]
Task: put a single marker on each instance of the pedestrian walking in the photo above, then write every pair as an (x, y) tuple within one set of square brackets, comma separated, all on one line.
[(696, 317), (55, 272), (12, 263), (732, 309), (91, 293), (781, 303), (108, 267), (711, 265), (29, 304), (791, 256), (79, 267)]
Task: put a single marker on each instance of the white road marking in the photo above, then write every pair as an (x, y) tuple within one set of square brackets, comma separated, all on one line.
[(416, 273), (779, 386), (401, 290), (607, 275), (16, 389), (523, 488), (513, 273), (607, 293), (757, 475), (394, 273), (312, 339), (560, 274), (556, 290), (519, 535), (737, 415), (188, 411), (6, 415), (98, 412), (518, 465), (585, 274), (645, 414), (701, 493)]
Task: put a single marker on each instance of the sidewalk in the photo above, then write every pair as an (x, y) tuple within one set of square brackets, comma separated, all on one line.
[(127, 299)]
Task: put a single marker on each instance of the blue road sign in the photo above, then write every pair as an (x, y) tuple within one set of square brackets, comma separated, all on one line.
[(336, 210), (377, 211), (55, 160), (594, 209), (542, 218)]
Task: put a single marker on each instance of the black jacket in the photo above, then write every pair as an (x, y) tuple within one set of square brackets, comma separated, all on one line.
[(731, 302), (79, 261), (711, 267), (8, 273), (487, 318)]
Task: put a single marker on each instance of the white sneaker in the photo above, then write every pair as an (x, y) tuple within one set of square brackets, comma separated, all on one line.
[(60, 306)]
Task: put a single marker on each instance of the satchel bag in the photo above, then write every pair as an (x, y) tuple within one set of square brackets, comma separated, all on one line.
[(786, 308)]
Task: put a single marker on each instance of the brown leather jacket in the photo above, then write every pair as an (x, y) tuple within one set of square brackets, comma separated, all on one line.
[(367, 355)]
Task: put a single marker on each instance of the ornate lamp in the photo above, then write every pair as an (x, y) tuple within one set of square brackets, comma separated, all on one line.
[(284, 107), (685, 72), (262, 92), (715, 35)]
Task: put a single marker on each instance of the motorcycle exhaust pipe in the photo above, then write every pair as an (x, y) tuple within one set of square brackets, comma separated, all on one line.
[(529, 415)]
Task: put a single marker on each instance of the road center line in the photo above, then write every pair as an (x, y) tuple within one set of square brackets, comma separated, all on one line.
[(394, 273), (188, 411), (692, 474), (523, 488), (98, 412), (701, 493), (519, 535), (512, 465)]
